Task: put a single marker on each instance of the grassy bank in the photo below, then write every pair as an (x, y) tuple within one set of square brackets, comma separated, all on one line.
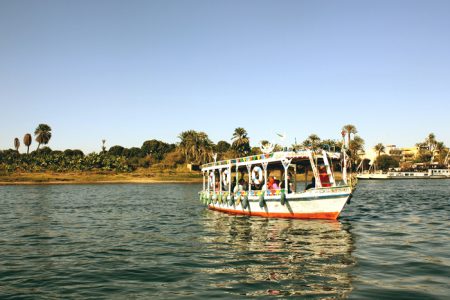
[(150, 175)]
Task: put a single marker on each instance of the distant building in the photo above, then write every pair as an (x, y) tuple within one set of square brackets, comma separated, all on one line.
[(403, 154)]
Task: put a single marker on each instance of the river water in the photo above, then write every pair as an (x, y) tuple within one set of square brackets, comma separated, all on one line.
[(157, 241)]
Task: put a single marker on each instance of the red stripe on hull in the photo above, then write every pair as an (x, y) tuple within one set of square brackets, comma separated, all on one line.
[(319, 215)]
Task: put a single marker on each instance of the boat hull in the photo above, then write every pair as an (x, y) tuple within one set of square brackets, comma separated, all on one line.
[(323, 203)]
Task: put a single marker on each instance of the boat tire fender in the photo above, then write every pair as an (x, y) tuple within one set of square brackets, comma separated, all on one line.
[(283, 198), (262, 202), (245, 202)]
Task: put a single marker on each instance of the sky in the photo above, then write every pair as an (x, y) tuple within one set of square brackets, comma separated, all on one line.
[(130, 71)]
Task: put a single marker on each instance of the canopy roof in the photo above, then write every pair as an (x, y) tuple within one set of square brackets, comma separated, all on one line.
[(271, 157)]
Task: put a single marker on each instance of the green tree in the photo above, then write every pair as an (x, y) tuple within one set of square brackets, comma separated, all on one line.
[(27, 141), (356, 147), (116, 150), (431, 142), (330, 144), (441, 151), (379, 148), (196, 147), (349, 129), (222, 147), (313, 142), (385, 162), (16, 144), (43, 151), (132, 152), (241, 142), (71, 153), (157, 149), (43, 134), (103, 146)]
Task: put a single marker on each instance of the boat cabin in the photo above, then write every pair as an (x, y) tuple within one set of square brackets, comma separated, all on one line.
[(270, 174)]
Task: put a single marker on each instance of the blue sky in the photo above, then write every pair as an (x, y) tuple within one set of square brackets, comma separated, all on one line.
[(129, 71)]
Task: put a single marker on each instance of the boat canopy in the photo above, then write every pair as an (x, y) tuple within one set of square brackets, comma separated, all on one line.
[(291, 156)]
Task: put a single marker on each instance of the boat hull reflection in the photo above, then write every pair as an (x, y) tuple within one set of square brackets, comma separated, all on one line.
[(279, 256)]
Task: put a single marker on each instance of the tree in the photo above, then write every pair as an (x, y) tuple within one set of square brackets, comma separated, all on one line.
[(241, 142), (132, 152), (43, 134), (116, 150), (16, 144), (442, 152), (385, 162), (157, 149), (356, 147), (103, 146), (27, 141), (222, 147), (379, 148), (332, 145), (313, 141), (430, 141), (43, 151), (429, 149), (70, 153), (349, 129), (195, 146)]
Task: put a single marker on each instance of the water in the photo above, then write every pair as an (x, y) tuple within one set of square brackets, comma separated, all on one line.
[(157, 241)]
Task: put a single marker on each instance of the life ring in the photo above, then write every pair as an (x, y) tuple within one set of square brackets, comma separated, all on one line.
[(226, 177), (260, 178)]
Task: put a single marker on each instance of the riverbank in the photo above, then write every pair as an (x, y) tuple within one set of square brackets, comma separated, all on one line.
[(94, 177)]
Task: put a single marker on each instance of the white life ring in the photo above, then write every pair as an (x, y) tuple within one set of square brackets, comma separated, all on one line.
[(226, 177), (260, 178)]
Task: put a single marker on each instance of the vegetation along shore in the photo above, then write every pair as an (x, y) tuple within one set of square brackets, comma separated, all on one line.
[(156, 161)]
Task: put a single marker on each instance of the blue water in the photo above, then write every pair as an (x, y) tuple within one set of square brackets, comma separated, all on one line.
[(157, 241)]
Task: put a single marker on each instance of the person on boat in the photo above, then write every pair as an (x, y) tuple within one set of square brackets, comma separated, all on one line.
[(240, 187), (217, 184), (289, 184), (312, 184), (270, 183), (233, 184), (276, 184)]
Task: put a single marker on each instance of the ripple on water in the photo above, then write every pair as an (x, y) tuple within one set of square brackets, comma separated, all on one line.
[(141, 241)]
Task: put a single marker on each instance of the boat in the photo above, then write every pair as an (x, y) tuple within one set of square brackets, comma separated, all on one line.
[(430, 174), (242, 185)]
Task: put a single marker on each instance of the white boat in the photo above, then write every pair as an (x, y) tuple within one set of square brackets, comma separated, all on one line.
[(375, 175), (430, 174), (257, 198)]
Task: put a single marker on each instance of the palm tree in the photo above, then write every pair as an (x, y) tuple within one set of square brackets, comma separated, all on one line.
[(431, 142), (27, 141), (312, 141), (379, 148), (356, 147), (241, 142), (195, 146), (16, 144), (349, 129), (440, 151), (43, 134)]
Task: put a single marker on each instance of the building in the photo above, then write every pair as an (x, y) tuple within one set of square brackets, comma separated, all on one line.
[(403, 154)]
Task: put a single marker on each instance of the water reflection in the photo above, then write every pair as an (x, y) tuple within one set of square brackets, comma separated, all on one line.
[(278, 257)]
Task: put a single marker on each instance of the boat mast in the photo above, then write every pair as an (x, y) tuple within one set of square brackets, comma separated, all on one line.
[(344, 167), (314, 169)]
